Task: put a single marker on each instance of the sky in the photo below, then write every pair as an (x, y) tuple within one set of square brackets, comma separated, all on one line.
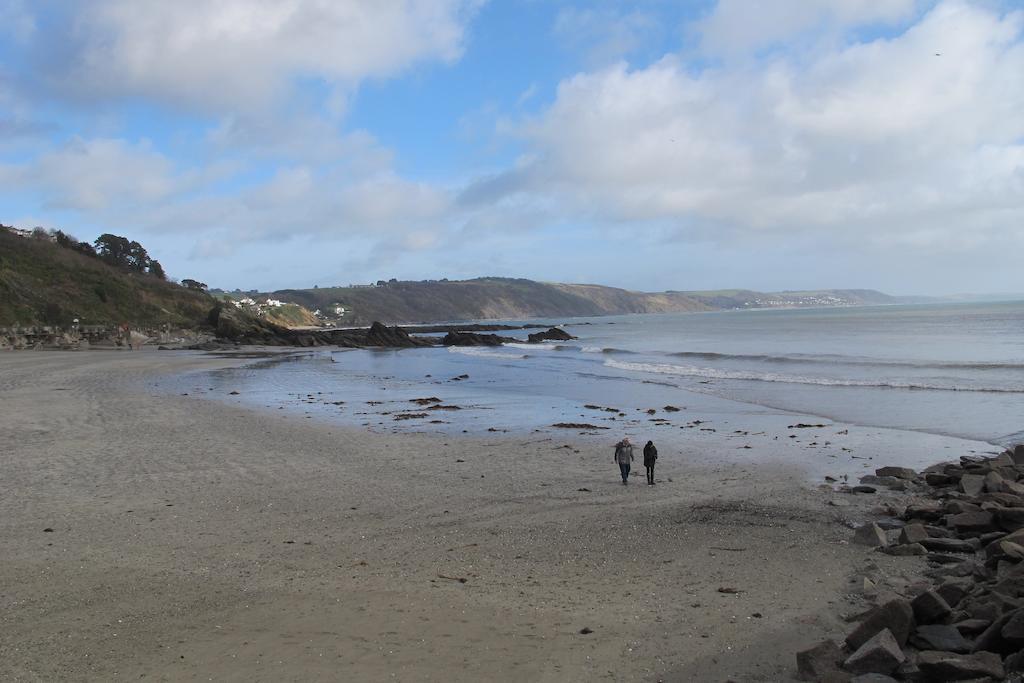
[(652, 145)]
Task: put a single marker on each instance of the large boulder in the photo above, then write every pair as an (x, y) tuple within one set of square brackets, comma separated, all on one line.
[(1013, 630), (896, 615), (947, 545), (930, 607), (820, 663), (870, 535), (951, 666), (1010, 519), (880, 655), (898, 472), (972, 522), (972, 484), (940, 637), (913, 533), (994, 482)]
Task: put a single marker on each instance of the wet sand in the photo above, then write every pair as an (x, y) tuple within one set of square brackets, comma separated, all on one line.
[(193, 539)]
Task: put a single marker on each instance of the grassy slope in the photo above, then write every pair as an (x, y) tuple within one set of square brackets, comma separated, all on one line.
[(504, 298), (42, 283), (292, 315), (484, 298)]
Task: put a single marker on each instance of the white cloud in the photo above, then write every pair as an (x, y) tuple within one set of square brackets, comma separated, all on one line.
[(239, 54), (96, 174), (880, 142), (603, 34), (738, 26)]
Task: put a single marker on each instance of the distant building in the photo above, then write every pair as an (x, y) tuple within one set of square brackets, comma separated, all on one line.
[(17, 231)]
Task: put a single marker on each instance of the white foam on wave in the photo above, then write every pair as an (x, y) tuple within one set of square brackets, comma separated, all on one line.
[(591, 349), (484, 353), (530, 347), (713, 373)]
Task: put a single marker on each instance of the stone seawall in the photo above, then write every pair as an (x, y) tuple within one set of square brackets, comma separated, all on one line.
[(92, 337)]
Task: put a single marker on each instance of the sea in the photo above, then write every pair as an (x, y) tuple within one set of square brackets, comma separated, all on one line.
[(949, 370)]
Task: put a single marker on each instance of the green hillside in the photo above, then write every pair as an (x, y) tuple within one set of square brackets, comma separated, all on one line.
[(481, 299), (42, 283)]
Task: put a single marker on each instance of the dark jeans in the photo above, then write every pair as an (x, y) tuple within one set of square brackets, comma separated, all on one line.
[(650, 474), (624, 468)]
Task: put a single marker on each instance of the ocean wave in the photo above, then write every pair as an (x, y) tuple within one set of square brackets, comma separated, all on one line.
[(835, 359), (531, 347), (480, 352), (605, 349), (714, 373)]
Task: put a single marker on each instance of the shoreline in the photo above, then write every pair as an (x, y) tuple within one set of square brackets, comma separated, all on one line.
[(207, 539), (706, 435)]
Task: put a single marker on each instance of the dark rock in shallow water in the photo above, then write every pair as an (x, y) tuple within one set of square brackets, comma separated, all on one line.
[(390, 337), (552, 334), (474, 339)]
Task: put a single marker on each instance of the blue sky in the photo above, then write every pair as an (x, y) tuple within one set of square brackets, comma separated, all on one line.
[(649, 145)]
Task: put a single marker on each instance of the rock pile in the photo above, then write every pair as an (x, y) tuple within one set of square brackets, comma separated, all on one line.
[(967, 521)]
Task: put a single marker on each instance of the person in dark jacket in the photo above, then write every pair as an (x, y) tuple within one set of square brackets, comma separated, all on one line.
[(650, 456), (624, 456)]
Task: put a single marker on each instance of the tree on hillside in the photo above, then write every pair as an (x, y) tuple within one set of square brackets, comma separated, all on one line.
[(138, 258), (156, 270), (113, 249), (189, 283), (71, 242), (124, 253)]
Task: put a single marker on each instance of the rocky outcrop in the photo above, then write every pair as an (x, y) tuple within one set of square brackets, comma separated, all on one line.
[(475, 339), (391, 337), (550, 334), (239, 327)]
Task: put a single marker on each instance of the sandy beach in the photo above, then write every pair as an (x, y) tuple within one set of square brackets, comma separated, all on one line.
[(182, 538)]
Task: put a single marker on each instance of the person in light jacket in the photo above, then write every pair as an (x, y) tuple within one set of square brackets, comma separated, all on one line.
[(650, 456), (624, 456)]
